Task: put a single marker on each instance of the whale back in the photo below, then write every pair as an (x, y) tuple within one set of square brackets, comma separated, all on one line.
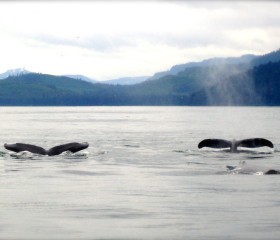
[(19, 147)]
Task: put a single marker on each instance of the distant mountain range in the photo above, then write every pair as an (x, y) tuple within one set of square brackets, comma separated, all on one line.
[(245, 59), (247, 80), (126, 80), (120, 81)]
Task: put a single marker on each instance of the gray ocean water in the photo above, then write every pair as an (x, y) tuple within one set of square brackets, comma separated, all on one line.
[(142, 176)]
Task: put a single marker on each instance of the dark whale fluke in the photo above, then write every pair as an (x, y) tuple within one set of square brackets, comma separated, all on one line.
[(72, 147), (233, 145), (272, 171), (215, 143), (254, 143), (19, 147)]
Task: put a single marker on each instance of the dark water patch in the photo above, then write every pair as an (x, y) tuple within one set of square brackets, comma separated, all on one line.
[(188, 153), (21, 168), (109, 213), (89, 173), (132, 146), (2, 154), (225, 172), (12, 170), (197, 163), (49, 176), (182, 151), (254, 157)]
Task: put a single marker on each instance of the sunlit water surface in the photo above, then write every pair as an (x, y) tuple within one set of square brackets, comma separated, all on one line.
[(142, 176)]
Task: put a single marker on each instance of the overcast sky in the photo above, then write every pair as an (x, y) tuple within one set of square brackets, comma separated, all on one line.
[(111, 39)]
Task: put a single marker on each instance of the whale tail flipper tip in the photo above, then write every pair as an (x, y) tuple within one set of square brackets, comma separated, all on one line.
[(20, 147), (214, 143), (272, 171), (255, 143), (71, 147)]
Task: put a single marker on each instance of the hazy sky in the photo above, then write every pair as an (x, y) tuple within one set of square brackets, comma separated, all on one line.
[(111, 39)]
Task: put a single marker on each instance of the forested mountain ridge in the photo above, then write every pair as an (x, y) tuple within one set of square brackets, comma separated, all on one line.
[(247, 60), (44, 90), (225, 84)]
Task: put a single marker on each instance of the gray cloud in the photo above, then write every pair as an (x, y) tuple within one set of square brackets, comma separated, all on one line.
[(98, 42), (152, 36), (211, 25)]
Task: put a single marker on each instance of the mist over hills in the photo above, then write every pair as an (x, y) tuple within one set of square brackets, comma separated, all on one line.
[(248, 80)]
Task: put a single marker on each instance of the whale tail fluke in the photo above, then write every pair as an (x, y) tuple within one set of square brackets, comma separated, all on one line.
[(272, 171), (233, 145), (72, 147), (254, 143), (20, 147), (215, 143)]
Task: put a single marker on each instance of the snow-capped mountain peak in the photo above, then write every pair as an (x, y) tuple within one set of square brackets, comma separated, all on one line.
[(14, 72)]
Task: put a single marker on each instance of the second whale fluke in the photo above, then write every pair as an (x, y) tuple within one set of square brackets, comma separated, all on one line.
[(72, 147), (233, 145)]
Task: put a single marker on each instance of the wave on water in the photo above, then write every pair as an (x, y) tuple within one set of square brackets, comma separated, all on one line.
[(29, 155), (209, 160), (68, 154), (3, 154), (23, 155), (249, 168)]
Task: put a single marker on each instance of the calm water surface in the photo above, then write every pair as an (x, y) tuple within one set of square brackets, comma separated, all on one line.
[(142, 176)]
